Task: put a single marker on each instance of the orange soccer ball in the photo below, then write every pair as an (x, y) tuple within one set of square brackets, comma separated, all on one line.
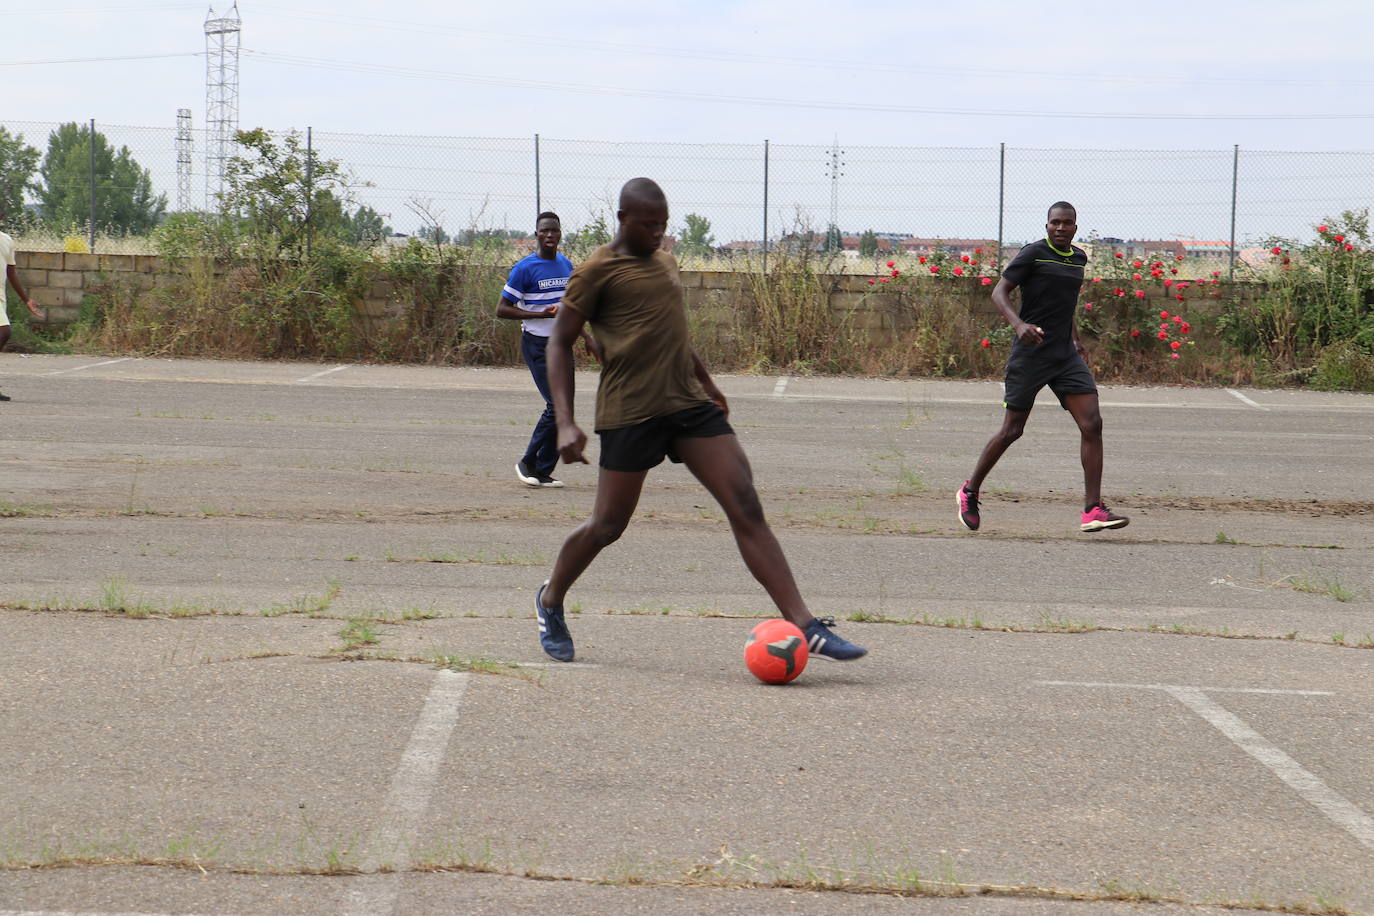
[(776, 651)]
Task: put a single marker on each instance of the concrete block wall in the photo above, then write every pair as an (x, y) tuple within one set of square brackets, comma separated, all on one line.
[(59, 282)]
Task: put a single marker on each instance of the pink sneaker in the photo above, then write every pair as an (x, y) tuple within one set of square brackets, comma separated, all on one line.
[(1099, 517), (968, 507)]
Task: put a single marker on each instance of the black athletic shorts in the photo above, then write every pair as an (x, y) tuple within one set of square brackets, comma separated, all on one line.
[(1028, 373), (644, 445)]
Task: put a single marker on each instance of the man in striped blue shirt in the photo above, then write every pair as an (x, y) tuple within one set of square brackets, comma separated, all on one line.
[(531, 295)]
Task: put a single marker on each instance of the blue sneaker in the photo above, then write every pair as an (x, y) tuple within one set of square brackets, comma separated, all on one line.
[(821, 641), (553, 632)]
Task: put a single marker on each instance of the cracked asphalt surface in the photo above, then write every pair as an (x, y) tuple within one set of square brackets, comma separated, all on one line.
[(270, 649)]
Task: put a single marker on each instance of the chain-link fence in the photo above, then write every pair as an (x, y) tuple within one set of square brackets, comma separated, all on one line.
[(753, 195)]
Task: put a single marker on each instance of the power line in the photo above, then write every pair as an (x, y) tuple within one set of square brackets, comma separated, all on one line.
[(545, 86), (809, 63), (95, 60)]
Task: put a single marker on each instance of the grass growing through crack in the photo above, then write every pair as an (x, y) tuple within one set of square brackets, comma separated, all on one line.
[(484, 665), (1323, 585), (114, 599), (15, 510), (309, 605), (357, 633)]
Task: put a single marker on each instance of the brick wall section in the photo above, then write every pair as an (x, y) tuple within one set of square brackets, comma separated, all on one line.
[(59, 281)]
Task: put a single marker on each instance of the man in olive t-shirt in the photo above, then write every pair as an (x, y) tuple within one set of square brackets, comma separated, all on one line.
[(656, 400)]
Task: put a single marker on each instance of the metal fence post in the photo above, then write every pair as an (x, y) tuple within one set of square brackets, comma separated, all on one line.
[(1235, 184), (309, 192), (765, 207), (90, 230), (538, 205), (1001, 197)]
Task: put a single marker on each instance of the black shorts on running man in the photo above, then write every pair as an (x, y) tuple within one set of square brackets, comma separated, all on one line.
[(1027, 373)]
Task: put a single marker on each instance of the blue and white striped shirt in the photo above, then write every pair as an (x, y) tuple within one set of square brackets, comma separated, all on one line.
[(534, 284)]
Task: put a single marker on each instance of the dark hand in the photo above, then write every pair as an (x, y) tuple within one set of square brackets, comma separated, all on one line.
[(571, 442), (1030, 334)]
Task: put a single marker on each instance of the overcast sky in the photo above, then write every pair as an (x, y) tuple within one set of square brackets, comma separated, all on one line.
[(1167, 75)]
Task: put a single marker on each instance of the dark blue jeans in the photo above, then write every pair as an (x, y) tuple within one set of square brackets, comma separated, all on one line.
[(541, 455)]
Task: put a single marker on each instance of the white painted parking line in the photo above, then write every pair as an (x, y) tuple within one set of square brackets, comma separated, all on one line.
[(322, 373), (1300, 693), (1335, 807), (108, 362), (1244, 399), (409, 796), (556, 665), (780, 387)]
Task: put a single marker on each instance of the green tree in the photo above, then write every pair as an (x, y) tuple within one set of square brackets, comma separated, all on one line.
[(581, 242), (18, 161), (270, 186), (868, 243), (434, 234), (124, 198), (366, 227), (834, 241), (695, 237)]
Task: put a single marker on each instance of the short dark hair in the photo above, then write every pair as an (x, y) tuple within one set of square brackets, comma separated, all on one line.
[(547, 214), (1061, 205)]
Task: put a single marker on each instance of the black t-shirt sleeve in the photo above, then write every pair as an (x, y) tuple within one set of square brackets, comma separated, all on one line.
[(1020, 267)]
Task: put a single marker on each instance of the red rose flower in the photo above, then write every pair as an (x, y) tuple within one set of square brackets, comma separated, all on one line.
[(987, 281), (1168, 283), (958, 271), (1087, 306), (1173, 356), (1216, 273), (1173, 270), (1179, 297), (935, 268), (1140, 294), (870, 281), (1164, 315), (1135, 277), (1118, 255), (964, 258), (884, 279), (1135, 333), (891, 263), (974, 261), (1137, 264), (895, 271), (1276, 250), (1349, 247), (1339, 238), (1178, 257), (977, 251), (1184, 328), (985, 343), (1163, 335), (1321, 229), (921, 259), (1175, 345), (1097, 279)]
